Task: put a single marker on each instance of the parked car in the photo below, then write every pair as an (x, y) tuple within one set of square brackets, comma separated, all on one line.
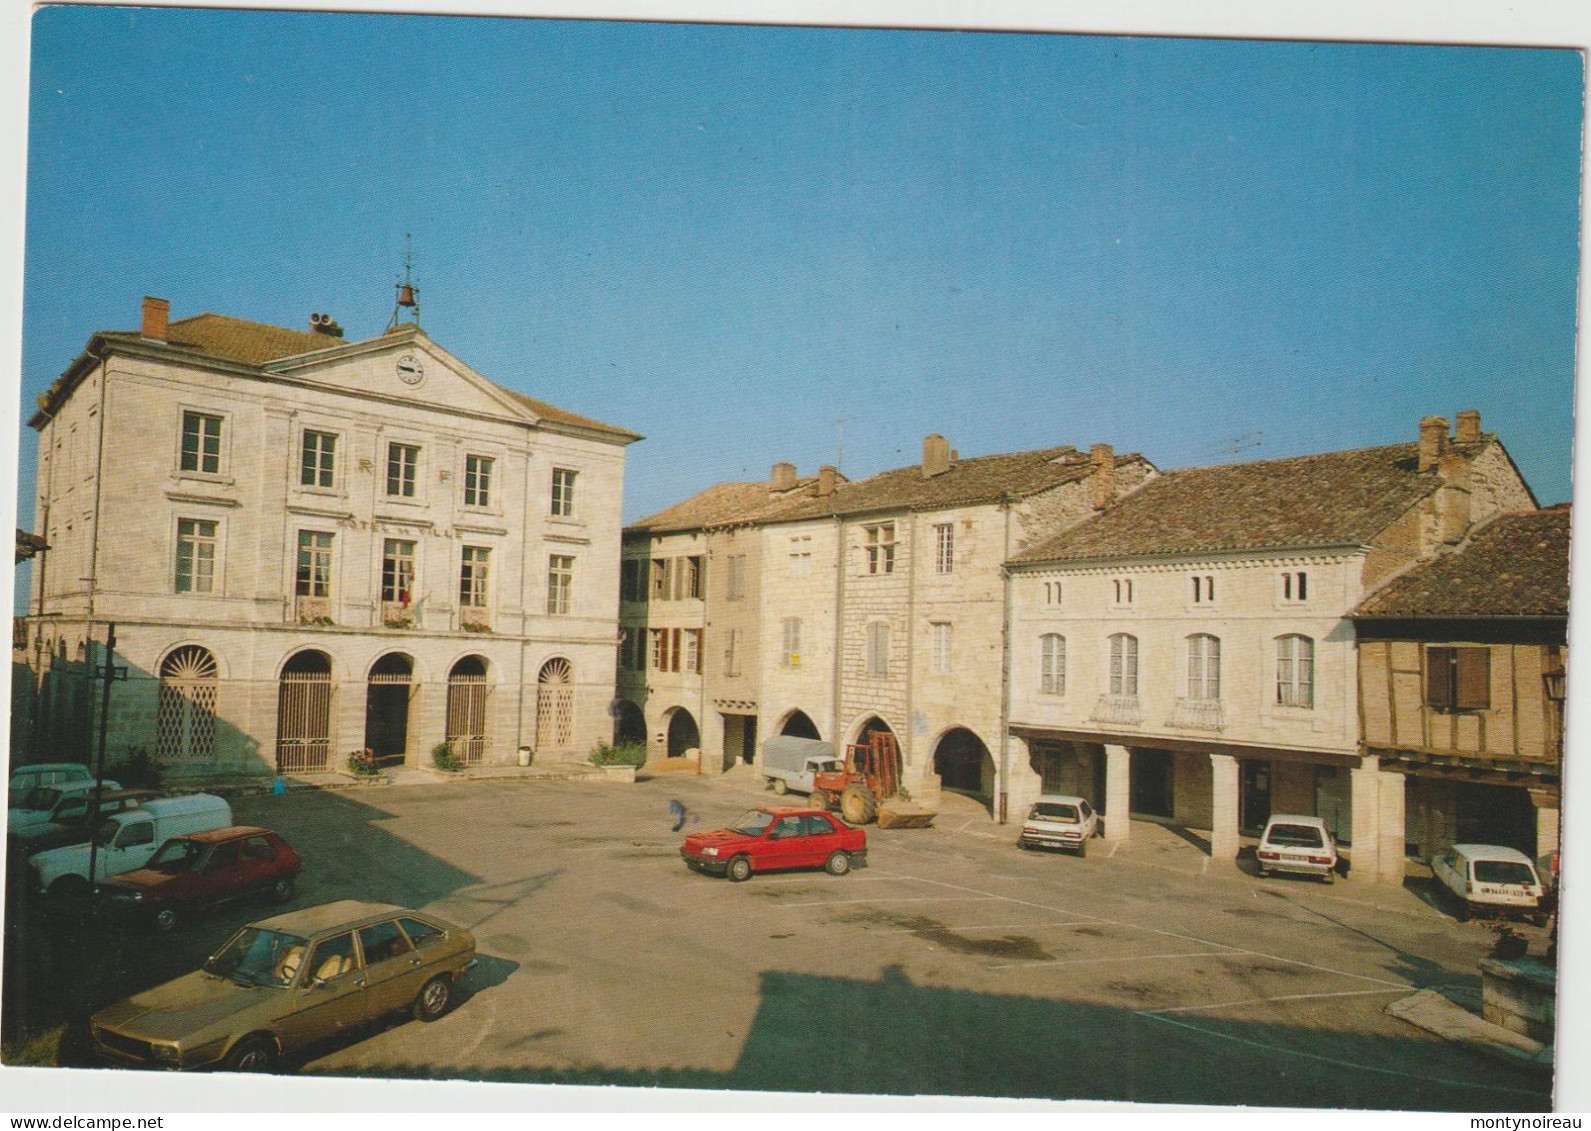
[(1059, 821), (791, 763), (284, 983), (766, 840), (47, 805), (202, 869), (125, 841), (72, 821), (1293, 842), (1490, 879), (25, 778)]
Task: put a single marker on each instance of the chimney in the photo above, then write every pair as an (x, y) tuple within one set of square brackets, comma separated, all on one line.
[(1433, 441), (1468, 429), (783, 478), (1453, 499), (157, 313), (1104, 475), (825, 481), (325, 324), (936, 455)]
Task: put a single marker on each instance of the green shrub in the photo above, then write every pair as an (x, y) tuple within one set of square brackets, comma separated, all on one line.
[(138, 770), (444, 759), (624, 754)]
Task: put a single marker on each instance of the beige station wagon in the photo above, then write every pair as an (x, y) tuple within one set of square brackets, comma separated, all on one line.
[(286, 982)]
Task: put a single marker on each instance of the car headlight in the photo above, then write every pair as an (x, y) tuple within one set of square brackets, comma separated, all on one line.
[(709, 852), (166, 1054)]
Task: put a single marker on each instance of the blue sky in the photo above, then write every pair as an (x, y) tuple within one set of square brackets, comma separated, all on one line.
[(729, 238)]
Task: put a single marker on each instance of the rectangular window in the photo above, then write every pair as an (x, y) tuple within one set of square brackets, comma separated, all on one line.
[(941, 631), (1204, 667), (1052, 664), (1458, 679), (478, 481), (201, 443), (1203, 589), (879, 542), (560, 580), (792, 642), (690, 578), (397, 571), (563, 492), (318, 459), (314, 563), (737, 577), (1124, 665), (473, 572), (1295, 586), (403, 462), (195, 556), (693, 650), (801, 556), (660, 649), (877, 651), (1295, 671), (1123, 590), (630, 587), (944, 547), (1052, 594), (662, 577), (732, 652)]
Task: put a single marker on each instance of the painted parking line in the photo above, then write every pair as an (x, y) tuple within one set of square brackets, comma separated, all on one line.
[(898, 899), (1133, 958), (1278, 997)]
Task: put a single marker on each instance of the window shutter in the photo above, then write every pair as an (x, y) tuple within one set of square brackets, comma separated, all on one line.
[(1474, 678), (1439, 678)]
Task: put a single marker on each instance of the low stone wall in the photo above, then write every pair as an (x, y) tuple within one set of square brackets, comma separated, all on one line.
[(1520, 994)]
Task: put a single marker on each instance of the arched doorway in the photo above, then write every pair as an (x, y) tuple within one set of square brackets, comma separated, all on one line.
[(629, 723), (798, 725), (388, 691), (467, 692), (555, 707), (185, 717), (872, 726), (303, 713), (964, 763), (683, 734)]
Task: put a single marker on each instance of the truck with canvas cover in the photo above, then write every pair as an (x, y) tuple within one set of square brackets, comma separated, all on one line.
[(791, 763)]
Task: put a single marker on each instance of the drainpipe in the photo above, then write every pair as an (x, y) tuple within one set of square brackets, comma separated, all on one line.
[(910, 755), (1005, 669), (99, 481), (839, 631)]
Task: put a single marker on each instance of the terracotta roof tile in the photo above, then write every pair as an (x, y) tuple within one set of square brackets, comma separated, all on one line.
[(1339, 498), (722, 504), (1515, 565), (237, 339)]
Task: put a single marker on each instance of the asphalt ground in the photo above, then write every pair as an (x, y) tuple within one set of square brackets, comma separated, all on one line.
[(953, 964)]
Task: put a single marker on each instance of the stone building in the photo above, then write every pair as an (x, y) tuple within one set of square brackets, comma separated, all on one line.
[(1187, 655), (1461, 681), (310, 546)]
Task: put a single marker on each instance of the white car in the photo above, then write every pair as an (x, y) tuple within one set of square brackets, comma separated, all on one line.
[(26, 778), (1059, 821), (1292, 842), (1489, 878)]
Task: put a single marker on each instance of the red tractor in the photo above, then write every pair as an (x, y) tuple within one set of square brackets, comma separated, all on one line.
[(870, 778)]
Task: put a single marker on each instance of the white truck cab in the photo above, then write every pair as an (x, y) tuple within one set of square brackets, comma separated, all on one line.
[(790, 763), (126, 841), (1059, 821)]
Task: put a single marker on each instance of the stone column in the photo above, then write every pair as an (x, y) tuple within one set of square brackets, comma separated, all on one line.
[(1118, 792), (1546, 824), (1223, 807), (1022, 785), (1391, 837), (1365, 853)]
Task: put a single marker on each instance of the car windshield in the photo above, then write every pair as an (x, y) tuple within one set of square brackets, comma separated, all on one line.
[(178, 856), (1295, 836), (258, 957), (1053, 811), (752, 822), (107, 831), (1503, 872), (40, 797)]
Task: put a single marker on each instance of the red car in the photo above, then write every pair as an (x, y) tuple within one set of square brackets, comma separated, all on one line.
[(765, 840), (201, 869)]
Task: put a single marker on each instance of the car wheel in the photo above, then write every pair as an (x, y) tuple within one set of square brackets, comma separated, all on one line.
[(165, 919), (739, 870), (822, 799), (69, 888), (838, 863), (1024, 845), (282, 889), (1264, 872), (252, 1054), (433, 999), (780, 786), (1462, 914), (1082, 848)]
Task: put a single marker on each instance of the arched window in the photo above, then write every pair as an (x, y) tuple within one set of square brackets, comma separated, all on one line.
[(555, 706), (185, 718), (1052, 664), (1124, 664), (1295, 671), (1204, 666)]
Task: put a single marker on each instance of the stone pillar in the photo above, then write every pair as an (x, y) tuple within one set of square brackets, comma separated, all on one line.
[(1546, 825), (1223, 807), (1023, 784), (1365, 854), (1118, 792), (1391, 837)]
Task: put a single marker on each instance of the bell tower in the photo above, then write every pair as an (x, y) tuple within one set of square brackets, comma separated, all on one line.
[(408, 292)]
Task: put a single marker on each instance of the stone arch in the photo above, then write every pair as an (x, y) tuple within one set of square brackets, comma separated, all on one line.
[(304, 712), (186, 709), (469, 689), (555, 707), (629, 722), (798, 724), (964, 764), (683, 733)]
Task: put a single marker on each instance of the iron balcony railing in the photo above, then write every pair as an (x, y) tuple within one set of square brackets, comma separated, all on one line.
[(1198, 714), (1122, 710)]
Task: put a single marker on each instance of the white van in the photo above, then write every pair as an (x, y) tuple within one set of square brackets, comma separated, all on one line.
[(1489, 877), (126, 841)]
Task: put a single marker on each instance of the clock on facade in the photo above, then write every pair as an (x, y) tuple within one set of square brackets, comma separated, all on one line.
[(410, 372)]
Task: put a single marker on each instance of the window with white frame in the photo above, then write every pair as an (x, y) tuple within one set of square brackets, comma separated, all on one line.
[(942, 641), (196, 545), (877, 650), (1295, 586), (732, 652), (801, 556), (478, 481), (1295, 671), (1124, 665), (397, 570), (403, 465), (560, 581), (201, 443), (944, 547), (1204, 666), (737, 577), (1122, 589), (563, 492), (1203, 588), (665, 653), (791, 648), (693, 649), (314, 563), (317, 465), (879, 542), (1052, 664), (474, 568)]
